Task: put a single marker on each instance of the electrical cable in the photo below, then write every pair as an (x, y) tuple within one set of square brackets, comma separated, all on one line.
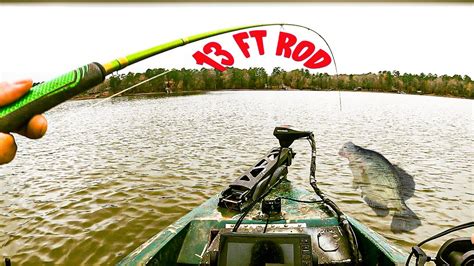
[(250, 207), (302, 201), (417, 248), (343, 222), (266, 224)]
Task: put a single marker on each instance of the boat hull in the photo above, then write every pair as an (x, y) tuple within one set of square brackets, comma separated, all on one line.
[(184, 242)]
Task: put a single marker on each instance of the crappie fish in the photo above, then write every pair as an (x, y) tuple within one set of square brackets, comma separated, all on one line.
[(384, 186)]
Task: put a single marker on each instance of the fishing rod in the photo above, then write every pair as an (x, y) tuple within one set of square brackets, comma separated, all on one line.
[(47, 95)]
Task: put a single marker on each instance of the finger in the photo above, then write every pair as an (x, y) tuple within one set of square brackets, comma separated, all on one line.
[(10, 92), (7, 148), (472, 238), (36, 127)]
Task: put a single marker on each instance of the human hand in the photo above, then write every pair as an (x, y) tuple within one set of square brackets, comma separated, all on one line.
[(34, 129)]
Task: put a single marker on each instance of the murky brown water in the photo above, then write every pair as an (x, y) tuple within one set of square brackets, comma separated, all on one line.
[(105, 179)]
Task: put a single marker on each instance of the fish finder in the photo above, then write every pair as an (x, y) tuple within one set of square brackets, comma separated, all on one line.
[(275, 249)]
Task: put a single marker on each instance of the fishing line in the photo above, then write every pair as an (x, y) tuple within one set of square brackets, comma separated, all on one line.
[(330, 51), (90, 107), (129, 88), (333, 58)]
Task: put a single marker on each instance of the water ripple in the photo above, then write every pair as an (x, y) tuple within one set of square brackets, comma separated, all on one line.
[(105, 179)]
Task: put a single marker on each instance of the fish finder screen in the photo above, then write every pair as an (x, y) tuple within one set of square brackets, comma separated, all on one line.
[(262, 253), (269, 249)]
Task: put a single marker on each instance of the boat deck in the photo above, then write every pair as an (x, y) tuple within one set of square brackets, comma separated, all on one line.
[(184, 242)]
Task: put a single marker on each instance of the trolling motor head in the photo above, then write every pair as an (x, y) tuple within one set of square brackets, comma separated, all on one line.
[(287, 134)]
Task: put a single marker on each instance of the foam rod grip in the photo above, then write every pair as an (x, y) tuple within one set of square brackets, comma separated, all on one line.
[(49, 94)]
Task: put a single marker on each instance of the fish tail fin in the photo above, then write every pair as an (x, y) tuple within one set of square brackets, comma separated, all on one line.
[(404, 220)]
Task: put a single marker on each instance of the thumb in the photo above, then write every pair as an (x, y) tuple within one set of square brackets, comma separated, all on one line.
[(10, 92)]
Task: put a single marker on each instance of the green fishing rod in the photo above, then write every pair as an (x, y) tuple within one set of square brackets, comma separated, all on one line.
[(49, 94)]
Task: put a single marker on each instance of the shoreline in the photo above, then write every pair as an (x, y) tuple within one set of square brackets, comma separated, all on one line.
[(145, 94), (197, 92)]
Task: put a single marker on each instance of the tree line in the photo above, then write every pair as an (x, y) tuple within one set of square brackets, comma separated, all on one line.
[(185, 80)]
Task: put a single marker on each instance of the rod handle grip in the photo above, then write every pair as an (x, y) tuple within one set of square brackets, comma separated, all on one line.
[(47, 95)]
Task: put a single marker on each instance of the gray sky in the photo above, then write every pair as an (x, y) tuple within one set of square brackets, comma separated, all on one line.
[(42, 41)]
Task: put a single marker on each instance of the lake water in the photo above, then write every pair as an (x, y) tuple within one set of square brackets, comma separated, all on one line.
[(105, 179)]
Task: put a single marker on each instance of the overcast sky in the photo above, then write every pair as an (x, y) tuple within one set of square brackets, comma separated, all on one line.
[(43, 40)]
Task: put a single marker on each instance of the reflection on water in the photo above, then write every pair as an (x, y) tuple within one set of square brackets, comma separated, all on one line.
[(383, 185), (105, 179)]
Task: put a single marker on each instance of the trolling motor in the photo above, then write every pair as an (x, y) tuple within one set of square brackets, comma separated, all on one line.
[(270, 169), (254, 185), (239, 197)]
